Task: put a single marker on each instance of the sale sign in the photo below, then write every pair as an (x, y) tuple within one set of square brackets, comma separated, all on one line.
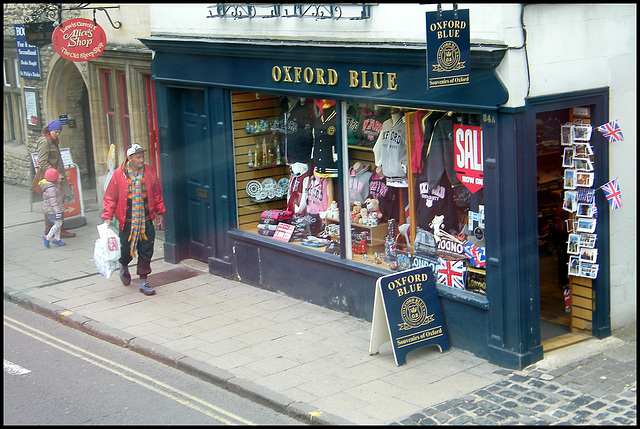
[(468, 156), (79, 40)]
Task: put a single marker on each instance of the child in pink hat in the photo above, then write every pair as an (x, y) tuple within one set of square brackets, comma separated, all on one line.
[(53, 205)]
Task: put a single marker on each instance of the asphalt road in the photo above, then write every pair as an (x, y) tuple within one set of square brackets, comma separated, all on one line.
[(56, 375)]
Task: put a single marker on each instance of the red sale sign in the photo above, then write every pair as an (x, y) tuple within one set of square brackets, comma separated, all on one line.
[(468, 156), (79, 39)]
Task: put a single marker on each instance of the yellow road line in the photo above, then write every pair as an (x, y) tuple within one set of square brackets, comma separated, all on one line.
[(95, 361)]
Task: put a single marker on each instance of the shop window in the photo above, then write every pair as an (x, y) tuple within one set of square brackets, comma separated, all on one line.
[(116, 107), (413, 178), (152, 124), (13, 113), (124, 103)]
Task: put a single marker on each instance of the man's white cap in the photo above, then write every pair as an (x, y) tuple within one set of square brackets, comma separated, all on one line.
[(135, 148)]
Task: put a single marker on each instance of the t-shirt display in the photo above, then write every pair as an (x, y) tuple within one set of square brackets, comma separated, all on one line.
[(325, 152), (370, 124), (359, 176), (404, 204), (299, 133), (390, 150)]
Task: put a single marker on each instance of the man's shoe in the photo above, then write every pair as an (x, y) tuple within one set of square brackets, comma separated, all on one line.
[(67, 234), (146, 289), (58, 242), (46, 242), (125, 276)]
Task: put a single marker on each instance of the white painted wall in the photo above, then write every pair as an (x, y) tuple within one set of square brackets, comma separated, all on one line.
[(575, 47), (134, 20), (388, 23), (570, 47)]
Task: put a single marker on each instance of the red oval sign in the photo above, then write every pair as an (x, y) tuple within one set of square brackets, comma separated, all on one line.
[(79, 39)]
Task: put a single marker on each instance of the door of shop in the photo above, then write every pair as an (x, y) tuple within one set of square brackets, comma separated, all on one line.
[(572, 307), (199, 165), (198, 177)]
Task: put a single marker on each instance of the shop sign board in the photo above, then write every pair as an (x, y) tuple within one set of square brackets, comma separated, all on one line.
[(31, 107), (79, 40), (407, 312), (468, 156), (448, 48), (28, 55), (73, 205), (39, 33)]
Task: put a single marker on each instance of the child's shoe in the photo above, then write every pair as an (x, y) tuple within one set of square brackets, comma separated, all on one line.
[(46, 242), (58, 242)]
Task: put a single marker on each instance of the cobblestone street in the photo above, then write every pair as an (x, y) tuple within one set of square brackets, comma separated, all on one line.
[(598, 390)]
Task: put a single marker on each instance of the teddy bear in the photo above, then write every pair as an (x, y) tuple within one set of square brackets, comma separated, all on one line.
[(363, 216), (355, 211), (373, 206), (333, 212)]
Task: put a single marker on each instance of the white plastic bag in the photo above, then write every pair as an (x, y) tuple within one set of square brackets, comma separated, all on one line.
[(106, 252)]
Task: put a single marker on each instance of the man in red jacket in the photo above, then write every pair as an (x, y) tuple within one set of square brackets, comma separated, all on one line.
[(134, 196)]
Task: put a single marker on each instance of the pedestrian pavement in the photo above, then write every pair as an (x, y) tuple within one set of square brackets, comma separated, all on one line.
[(301, 359)]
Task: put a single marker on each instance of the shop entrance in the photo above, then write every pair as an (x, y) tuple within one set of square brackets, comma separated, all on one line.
[(565, 302), (196, 194), (198, 182)]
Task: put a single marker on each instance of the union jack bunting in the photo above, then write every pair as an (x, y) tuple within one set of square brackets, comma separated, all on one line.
[(612, 193), (611, 131), (477, 256), (451, 273)]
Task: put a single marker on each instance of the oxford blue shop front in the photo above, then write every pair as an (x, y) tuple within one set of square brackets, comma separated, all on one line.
[(313, 169)]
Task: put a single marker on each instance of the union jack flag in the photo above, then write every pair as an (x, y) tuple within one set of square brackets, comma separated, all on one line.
[(611, 131), (451, 273), (477, 256), (612, 193)]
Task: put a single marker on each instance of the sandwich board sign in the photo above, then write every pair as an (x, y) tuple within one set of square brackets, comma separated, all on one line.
[(407, 312)]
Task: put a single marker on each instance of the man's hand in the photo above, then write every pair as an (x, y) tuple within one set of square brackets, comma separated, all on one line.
[(160, 222), (107, 221)]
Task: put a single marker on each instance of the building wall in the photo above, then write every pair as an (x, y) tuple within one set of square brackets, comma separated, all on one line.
[(18, 169), (63, 82), (598, 50), (389, 22), (551, 49)]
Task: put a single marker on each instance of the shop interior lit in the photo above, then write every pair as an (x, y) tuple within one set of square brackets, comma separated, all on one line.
[(400, 167), (565, 301)]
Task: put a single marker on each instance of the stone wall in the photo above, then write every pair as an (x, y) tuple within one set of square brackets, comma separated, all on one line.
[(18, 169)]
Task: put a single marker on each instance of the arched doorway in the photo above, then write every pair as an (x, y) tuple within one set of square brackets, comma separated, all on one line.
[(67, 94)]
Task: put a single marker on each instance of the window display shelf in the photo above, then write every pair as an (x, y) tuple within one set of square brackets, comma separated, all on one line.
[(375, 237)]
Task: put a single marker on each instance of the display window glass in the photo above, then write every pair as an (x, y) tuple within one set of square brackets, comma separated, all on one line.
[(398, 164)]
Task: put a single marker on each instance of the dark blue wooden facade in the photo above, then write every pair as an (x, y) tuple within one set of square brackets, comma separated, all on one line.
[(194, 79)]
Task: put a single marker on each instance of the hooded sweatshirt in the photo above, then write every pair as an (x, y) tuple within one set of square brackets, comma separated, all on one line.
[(359, 184)]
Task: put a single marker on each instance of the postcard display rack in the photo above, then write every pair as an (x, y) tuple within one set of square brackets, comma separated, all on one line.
[(579, 201)]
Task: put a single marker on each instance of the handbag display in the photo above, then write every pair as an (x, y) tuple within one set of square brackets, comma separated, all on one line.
[(35, 188)]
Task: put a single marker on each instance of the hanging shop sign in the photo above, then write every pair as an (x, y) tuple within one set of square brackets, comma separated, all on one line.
[(448, 48), (28, 55), (468, 156), (79, 40), (39, 33), (407, 312)]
